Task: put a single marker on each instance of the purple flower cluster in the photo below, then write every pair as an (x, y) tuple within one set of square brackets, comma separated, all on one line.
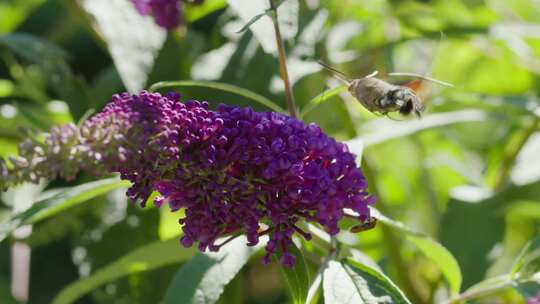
[(234, 171), (166, 13)]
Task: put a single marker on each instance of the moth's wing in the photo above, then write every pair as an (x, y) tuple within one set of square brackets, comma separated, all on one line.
[(421, 89), (415, 85)]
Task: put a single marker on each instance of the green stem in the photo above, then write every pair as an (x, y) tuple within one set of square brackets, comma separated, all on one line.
[(513, 152), (282, 60), (391, 241)]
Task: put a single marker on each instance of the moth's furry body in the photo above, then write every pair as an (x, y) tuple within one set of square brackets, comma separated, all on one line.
[(380, 96)]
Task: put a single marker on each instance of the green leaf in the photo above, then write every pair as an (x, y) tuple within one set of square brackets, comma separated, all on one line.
[(486, 287), (528, 261), (470, 231), (32, 48), (222, 87), (53, 67), (297, 278), (196, 12), (524, 209), (204, 277), (431, 249), (526, 169), (527, 287), (122, 28), (5, 291), (381, 130), (324, 96), (441, 257), (354, 283), (16, 12), (168, 223), (61, 200), (253, 20), (144, 258)]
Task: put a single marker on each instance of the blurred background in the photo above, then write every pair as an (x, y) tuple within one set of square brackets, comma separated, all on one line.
[(467, 173)]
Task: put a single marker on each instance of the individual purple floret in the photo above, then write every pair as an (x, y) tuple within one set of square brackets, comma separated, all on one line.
[(234, 171)]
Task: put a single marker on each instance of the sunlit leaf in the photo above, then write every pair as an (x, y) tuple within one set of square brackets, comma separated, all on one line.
[(142, 259), (485, 73), (354, 283), (525, 209), (250, 22), (526, 170), (14, 12), (431, 249), (133, 40), (383, 129), (222, 87), (204, 277), (323, 97), (168, 223), (441, 257), (61, 200), (195, 12)]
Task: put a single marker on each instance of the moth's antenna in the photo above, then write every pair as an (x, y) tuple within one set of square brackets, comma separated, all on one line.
[(338, 74), (422, 77)]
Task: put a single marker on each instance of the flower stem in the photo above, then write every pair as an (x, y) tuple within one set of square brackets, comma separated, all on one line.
[(282, 60)]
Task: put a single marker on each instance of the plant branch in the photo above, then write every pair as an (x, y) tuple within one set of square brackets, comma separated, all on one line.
[(282, 60)]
